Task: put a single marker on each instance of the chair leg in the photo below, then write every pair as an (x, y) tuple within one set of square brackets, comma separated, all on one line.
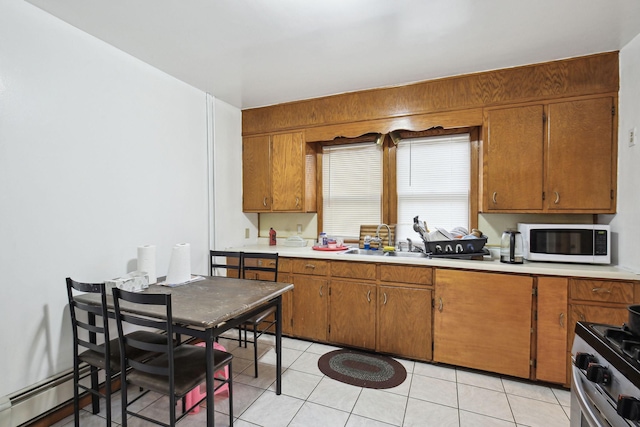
[(255, 347), (76, 403), (230, 393), (107, 395)]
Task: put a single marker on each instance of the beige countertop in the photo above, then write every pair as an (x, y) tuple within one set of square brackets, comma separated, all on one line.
[(537, 268)]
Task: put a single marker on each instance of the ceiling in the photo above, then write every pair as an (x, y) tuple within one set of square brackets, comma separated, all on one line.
[(264, 52)]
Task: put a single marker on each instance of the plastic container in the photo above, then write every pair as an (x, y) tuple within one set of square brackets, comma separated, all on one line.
[(272, 237), (367, 242), (322, 239)]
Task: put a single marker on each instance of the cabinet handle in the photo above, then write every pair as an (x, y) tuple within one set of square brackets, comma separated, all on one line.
[(493, 198), (557, 197), (561, 320), (582, 318), (440, 305), (369, 296), (309, 266), (320, 290), (601, 290), (272, 263), (297, 202), (384, 295), (264, 202)]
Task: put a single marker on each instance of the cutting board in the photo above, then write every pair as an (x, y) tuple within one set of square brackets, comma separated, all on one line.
[(370, 230)]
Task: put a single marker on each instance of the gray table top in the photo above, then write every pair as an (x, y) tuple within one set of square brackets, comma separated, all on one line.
[(209, 302)]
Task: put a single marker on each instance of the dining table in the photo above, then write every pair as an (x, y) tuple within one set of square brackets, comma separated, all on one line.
[(206, 307)]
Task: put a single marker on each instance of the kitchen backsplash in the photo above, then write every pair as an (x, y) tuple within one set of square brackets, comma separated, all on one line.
[(492, 225)]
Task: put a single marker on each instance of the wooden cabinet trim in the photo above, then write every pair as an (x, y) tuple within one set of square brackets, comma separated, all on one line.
[(593, 74)]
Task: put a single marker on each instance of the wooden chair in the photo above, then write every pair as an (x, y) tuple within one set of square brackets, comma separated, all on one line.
[(105, 356), (255, 262), (175, 372), (232, 263)]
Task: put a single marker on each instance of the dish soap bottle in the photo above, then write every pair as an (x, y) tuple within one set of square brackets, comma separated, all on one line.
[(322, 239), (272, 237)]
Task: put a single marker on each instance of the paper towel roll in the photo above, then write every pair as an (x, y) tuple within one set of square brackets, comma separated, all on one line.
[(180, 264), (147, 261)]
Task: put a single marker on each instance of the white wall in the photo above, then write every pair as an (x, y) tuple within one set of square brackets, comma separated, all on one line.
[(99, 153), (626, 223), (230, 221)]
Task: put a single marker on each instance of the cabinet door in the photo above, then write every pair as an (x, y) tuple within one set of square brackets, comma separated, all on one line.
[(552, 328), (288, 172), (404, 322), (256, 174), (514, 159), (579, 155), (310, 307), (352, 314), (483, 321)]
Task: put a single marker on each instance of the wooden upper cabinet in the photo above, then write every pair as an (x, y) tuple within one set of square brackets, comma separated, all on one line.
[(278, 174), (557, 157), (256, 174), (513, 158), (287, 172), (580, 154)]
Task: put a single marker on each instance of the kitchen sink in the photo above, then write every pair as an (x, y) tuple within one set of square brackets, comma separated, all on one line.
[(356, 251), (408, 254)]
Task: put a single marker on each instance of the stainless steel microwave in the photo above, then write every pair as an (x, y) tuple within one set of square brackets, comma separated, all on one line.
[(581, 243)]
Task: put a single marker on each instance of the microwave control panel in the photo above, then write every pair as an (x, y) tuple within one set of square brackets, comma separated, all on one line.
[(600, 242)]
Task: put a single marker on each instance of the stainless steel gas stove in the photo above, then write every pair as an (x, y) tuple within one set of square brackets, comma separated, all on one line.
[(605, 385)]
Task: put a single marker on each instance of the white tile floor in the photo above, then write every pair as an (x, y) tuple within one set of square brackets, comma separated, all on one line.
[(432, 395)]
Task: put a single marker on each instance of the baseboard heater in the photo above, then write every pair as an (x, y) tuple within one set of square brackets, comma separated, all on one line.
[(24, 406)]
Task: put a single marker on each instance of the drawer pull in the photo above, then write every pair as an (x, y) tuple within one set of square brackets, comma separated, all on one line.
[(601, 290), (562, 320), (309, 266), (440, 305), (369, 296)]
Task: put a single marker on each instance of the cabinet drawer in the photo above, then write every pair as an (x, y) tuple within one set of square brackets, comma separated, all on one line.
[(602, 291), (310, 266), (356, 270), (406, 274), (284, 265)]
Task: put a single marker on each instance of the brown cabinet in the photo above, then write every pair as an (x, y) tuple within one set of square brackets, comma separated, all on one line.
[(278, 174), (352, 313), (404, 321), (553, 157), (310, 296), (513, 158), (483, 321), (552, 329)]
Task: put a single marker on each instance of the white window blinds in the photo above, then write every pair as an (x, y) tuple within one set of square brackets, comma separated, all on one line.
[(351, 188), (433, 182)]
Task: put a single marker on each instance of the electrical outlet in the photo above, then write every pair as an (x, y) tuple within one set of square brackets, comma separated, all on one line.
[(632, 137), (246, 233), (299, 226)]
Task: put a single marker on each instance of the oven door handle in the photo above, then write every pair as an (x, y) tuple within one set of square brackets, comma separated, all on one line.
[(590, 415)]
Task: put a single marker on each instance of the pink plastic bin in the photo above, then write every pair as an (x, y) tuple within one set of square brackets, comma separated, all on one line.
[(200, 391)]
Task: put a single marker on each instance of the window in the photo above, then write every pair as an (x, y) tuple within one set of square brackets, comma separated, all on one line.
[(433, 181), (351, 188)]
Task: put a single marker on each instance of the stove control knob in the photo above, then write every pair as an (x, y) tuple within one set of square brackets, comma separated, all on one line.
[(628, 407), (583, 360), (598, 374)]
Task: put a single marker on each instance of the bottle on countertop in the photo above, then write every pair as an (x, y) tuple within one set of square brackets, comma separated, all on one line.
[(367, 242), (322, 239), (272, 237)]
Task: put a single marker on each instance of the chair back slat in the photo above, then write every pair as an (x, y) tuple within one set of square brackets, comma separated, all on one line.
[(254, 261), (232, 263), (99, 331)]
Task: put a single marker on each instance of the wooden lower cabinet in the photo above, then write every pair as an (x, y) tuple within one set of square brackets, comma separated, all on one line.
[(352, 314), (310, 296), (596, 314), (552, 329), (404, 322), (483, 321)]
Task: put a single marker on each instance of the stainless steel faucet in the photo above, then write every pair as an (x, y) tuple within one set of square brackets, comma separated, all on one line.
[(388, 233)]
